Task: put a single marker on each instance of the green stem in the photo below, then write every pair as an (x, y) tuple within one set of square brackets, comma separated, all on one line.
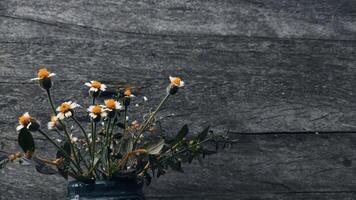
[(51, 102), (82, 129), (60, 149), (125, 124), (148, 121)]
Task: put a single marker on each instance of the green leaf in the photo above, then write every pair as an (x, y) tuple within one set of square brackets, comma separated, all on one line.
[(66, 147), (126, 145), (181, 135), (201, 136), (155, 148), (26, 141)]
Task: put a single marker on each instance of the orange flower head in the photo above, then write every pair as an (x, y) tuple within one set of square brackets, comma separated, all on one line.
[(96, 110), (65, 107), (111, 104), (96, 84), (127, 93), (176, 81), (43, 73), (24, 120)]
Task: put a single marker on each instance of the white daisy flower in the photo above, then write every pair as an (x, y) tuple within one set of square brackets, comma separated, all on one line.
[(96, 86), (53, 123), (97, 111), (176, 81), (42, 74), (128, 93), (24, 121), (145, 98), (65, 110), (111, 105)]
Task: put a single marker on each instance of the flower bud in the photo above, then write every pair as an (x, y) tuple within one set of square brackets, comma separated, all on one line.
[(126, 101), (171, 89), (111, 114), (34, 126), (94, 94), (46, 83)]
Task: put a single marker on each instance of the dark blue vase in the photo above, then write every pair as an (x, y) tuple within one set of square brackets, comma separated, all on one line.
[(126, 189)]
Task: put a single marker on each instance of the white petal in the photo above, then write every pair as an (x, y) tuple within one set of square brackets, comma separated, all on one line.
[(58, 108), (50, 125), (90, 108), (74, 105), (181, 84), (103, 87), (51, 74), (26, 114), (145, 98), (118, 105), (171, 78), (88, 84), (68, 114), (28, 125), (19, 127), (60, 115), (35, 79), (103, 114), (92, 115)]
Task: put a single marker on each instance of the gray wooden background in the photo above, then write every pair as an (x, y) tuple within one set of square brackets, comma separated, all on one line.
[(275, 67)]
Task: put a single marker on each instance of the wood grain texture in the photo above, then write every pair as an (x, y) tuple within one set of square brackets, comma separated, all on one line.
[(250, 66)]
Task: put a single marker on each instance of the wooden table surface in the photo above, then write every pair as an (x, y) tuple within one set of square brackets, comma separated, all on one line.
[(274, 68)]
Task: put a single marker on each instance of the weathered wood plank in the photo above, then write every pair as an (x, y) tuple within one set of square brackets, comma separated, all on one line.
[(287, 19), (241, 84)]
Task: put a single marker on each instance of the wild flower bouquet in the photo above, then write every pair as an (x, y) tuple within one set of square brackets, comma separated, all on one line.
[(110, 146)]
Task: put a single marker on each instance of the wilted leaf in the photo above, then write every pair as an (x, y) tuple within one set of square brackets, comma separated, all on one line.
[(181, 135), (45, 169), (155, 148), (42, 167), (201, 136), (24, 161), (26, 141), (63, 170)]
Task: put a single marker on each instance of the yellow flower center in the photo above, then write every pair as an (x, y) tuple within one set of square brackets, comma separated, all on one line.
[(43, 73), (127, 93), (65, 107), (111, 104), (96, 84), (176, 81), (24, 120), (96, 110)]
